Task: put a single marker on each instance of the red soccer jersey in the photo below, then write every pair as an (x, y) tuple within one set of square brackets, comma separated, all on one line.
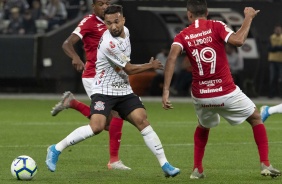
[(203, 42), (90, 30)]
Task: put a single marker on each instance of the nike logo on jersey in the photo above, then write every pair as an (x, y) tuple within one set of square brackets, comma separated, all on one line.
[(98, 25)]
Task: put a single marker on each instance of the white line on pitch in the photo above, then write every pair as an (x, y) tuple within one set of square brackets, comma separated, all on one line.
[(139, 145)]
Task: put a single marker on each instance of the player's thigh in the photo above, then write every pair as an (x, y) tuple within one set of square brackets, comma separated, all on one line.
[(138, 118), (115, 114), (237, 108), (207, 117), (131, 108), (101, 104), (206, 110), (98, 122), (87, 84)]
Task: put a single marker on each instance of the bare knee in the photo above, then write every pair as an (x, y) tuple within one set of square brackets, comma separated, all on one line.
[(138, 118), (255, 118), (141, 123), (97, 123)]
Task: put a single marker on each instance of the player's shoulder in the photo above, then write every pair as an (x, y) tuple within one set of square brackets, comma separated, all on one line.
[(89, 20), (107, 35), (126, 30), (107, 38), (217, 22)]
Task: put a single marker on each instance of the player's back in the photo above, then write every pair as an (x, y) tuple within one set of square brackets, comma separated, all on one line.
[(204, 42)]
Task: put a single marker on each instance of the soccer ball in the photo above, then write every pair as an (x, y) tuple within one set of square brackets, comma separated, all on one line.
[(23, 168)]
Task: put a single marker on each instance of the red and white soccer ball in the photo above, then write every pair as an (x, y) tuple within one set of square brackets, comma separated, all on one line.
[(23, 168)]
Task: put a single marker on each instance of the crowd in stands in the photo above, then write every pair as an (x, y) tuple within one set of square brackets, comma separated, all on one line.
[(23, 17)]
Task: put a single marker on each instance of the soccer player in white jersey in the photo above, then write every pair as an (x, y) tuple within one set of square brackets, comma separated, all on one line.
[(112, 91), (89, 31), (213, 90), (266, 111)]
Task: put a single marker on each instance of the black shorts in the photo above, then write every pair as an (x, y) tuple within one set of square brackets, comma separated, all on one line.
[(124, 105)]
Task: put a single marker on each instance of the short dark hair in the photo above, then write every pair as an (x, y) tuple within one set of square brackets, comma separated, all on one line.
[(197, 7), (112, 9)]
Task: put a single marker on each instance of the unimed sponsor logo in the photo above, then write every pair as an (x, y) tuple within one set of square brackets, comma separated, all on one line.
[(215, 90)]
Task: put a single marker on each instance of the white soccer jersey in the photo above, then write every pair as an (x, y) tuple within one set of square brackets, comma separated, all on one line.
[(113, 54)]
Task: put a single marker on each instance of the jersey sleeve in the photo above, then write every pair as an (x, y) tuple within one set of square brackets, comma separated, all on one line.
[(83, 27), (223, 30), (178, 41)]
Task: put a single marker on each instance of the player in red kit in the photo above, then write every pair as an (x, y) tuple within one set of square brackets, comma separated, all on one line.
[(213, 90), (90, 30)]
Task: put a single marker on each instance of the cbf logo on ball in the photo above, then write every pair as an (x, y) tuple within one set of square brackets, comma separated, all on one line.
[(99, 106)]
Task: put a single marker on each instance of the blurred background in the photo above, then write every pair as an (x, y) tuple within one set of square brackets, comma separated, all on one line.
[(32, 59)]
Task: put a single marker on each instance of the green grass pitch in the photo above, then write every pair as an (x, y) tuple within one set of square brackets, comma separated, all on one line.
[(231, 157)]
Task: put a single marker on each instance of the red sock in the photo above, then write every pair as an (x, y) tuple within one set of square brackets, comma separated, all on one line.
[(80, 107), (201, 136), (262, 143), (115, 138)]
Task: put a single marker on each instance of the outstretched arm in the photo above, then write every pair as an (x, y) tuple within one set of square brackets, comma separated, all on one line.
[(68, 47), (239, 38), (168, 73), (131, 69)]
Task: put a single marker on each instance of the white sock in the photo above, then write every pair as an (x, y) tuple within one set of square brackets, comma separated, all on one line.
[(76, 136), (275, 109), (154, 144)]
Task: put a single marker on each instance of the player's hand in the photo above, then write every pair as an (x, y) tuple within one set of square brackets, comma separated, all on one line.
[(166, 103), (157, 65), (78, 65), (250, 12)]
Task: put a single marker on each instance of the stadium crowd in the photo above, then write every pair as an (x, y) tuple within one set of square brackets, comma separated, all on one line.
[(20, 17)]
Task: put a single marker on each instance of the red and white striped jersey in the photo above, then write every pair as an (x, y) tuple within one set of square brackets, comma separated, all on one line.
[(90, 30), (204, 43), (113, 54)]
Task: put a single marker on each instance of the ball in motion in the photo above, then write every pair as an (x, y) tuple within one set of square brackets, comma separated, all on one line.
[(23, 168)]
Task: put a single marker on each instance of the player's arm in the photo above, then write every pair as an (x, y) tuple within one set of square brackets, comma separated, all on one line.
[(68, 47), (131, 69), (239, 38), (175, 51)]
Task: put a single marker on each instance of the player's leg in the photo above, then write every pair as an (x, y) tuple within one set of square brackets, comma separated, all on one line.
[(264, 114), (275, 109), (238, 108), (133, 109), (261, 140), (114, 129), (138, 118), (69, 101), (236, 113), (200, 140), (207, 118), (98, 122), (266, 111), (115, 133)]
